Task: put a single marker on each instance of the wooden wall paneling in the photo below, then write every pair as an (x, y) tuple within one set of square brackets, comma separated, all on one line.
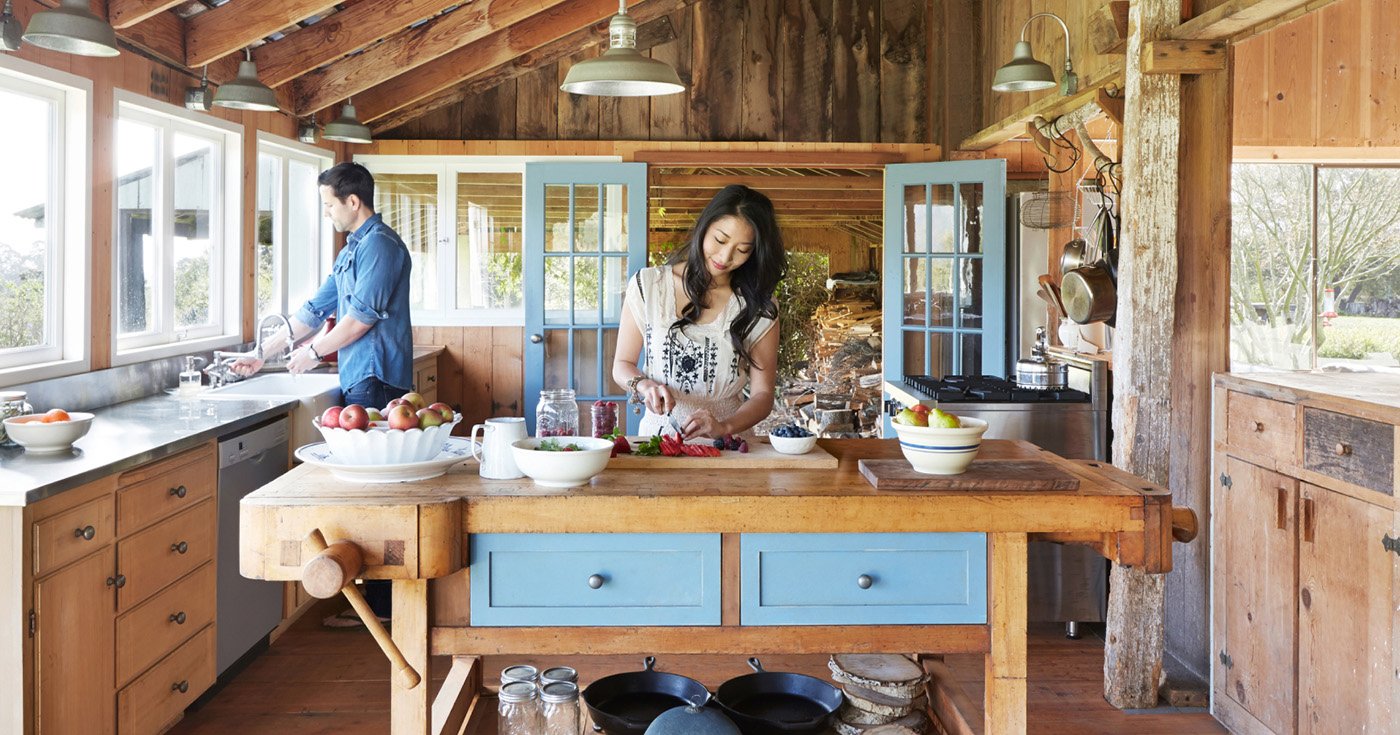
[(762, 71), (856, 71), (1383, 106), (508, 371), (102, 246), (964, 83), (805, 42), (1343, 69), (1292, 76), (537, 104), (477, 367), (670, 114), (624, 118), (578, 113), (491, 115), (444, 122), (717, 47), (903, 72), (1251, 94)]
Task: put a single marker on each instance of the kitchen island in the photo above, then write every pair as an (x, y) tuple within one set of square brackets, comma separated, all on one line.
[(704, 534)]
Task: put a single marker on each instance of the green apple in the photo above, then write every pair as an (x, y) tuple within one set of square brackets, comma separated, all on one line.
[(374, 414), (944, 420), (911, 418)]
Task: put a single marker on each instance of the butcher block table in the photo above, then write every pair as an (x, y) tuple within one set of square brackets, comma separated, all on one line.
[(751, 561)]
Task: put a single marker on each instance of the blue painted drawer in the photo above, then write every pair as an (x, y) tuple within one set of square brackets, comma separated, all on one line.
[(863, 579), (642, 579)]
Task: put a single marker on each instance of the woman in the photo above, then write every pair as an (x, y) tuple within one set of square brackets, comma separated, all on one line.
[(709, 323)]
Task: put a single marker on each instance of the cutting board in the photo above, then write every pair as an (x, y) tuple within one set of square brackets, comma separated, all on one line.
[(761, 455), (981, 475)]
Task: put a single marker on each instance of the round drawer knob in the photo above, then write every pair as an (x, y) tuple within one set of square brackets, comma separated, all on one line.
[(536, 338), (180, 548), (1342, 449), (178, 618), (181, 686), (865, 581), (595, 581), (118, 581), (85, 533), (179, 492), (1258, 425)]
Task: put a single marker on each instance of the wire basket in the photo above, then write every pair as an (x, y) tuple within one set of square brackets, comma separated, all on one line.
[(1049, 210)]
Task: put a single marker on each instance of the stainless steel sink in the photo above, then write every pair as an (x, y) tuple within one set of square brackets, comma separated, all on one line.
[(315, 391)]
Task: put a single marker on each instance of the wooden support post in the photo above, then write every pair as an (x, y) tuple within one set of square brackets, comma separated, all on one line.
[(1005, 696), (1142, 361), (409, 708), (454, 699), (1183, 57)]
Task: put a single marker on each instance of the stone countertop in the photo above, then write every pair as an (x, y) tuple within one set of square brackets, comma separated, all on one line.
[(126, 435)]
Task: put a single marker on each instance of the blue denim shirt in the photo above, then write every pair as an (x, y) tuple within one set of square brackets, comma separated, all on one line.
[(369, 282)]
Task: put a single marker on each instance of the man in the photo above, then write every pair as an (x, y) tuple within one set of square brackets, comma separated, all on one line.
[(368, 292)]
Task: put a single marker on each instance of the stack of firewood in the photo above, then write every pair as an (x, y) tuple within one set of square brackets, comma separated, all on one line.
[(846, 364), (884, 694)]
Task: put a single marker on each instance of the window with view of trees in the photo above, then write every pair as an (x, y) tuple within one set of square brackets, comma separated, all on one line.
[(295, 244), (176, 221), (1315, 266), (43, 216)]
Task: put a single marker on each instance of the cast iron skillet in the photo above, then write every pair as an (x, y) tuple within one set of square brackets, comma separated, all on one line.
[(626, 703), (774, 703)]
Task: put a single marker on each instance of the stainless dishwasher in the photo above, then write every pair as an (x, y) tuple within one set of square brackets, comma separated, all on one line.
[(247, 609)]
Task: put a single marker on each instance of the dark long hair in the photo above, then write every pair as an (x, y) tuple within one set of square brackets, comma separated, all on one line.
[(754, 281)]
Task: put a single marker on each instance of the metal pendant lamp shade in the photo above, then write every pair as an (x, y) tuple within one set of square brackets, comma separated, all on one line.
[(245, 92), (1023, 73), (11, 32), (72, 29), (347, 128), (622, 71)]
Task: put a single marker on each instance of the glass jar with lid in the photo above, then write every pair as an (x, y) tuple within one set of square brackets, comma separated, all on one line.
[(518, 712), (560, 709), (557, 413)]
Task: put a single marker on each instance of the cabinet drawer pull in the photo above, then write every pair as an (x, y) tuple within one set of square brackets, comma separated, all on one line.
[(180, 686), (179, 492), (595, 581), (1282, 509), (178, 618), (1342, 449), (865, 581), (85, 533), (1258, 427), (180, 547), (1309, 530), (118, 581), (432, 379)]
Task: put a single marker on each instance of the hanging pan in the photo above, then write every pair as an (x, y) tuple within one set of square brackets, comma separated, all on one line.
[(1090, 292)]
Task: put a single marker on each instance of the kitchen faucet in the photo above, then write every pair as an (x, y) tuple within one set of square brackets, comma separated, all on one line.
[(220, 369)]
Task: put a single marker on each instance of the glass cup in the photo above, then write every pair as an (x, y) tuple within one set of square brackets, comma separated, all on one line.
[(12, 403)]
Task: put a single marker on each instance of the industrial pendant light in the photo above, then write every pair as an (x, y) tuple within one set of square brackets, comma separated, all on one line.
[(347, 128), (11, 32), (245, 92), (1024, 74), (622, 71), (72, 29)]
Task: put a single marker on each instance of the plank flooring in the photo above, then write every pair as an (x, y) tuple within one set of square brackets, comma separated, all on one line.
[(317, 681)]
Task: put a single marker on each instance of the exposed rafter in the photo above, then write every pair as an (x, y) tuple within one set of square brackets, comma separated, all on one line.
[(231, 27), (1240, 19), (127, 13), (347, 31), (446, 36)]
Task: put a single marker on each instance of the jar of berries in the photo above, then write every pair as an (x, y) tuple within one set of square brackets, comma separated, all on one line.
[(604, 418)]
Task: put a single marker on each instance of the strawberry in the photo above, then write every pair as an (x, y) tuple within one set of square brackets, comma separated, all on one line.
[(620, 446)]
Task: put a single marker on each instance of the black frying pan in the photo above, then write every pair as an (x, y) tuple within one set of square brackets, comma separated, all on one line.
[(776, 703), (626, 703)]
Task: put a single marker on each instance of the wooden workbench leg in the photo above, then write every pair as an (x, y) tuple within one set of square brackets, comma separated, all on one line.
[(1006, 662), (409, 707)]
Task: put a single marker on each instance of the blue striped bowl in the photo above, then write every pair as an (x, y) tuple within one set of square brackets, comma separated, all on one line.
[(941, 451)]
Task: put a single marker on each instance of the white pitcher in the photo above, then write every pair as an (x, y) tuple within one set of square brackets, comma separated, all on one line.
[(497, 461)]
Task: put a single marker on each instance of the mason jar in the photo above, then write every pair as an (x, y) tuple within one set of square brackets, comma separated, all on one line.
[(558, 673), (560, 710), (519, 672), (604, 415), (518, 711), (557, 413), (12, 403)]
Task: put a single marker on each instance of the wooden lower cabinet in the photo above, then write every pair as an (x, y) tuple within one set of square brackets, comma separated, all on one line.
[(74, 650)]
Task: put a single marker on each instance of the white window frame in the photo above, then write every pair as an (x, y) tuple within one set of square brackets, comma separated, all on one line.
[(447, 168), (225, 228), (290, 150), (69, 224)]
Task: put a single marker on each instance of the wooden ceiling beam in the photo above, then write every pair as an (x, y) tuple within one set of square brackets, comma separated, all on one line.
[(1183, 57), (653, 29), (126, 13), (775, 195), (1237, 20), (448, 42), (349, 30), (770, 183), (231, 27)]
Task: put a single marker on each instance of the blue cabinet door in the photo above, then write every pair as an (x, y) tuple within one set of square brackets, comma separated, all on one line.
[(585, 235)]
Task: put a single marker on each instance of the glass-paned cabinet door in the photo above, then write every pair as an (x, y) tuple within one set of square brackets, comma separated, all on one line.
[(585, 234)]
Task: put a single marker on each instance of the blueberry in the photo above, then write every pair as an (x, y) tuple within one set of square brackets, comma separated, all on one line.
[(717, 444)]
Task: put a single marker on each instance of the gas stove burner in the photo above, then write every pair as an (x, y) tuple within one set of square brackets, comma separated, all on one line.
[(989, 389)]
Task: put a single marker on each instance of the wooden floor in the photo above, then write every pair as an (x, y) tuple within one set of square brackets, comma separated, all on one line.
[(316, 681)]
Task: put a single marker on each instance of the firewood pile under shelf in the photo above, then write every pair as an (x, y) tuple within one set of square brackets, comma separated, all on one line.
[(843, 395)]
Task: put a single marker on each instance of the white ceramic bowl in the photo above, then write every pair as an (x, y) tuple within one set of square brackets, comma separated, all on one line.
[(377, 446), (793, 444), (38, 437), (935, 451), (562, 469)]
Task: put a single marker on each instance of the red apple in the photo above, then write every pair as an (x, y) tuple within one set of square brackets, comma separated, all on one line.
[(331, 418), (428, 417), (402, 417), (374, 414), (416, 399), (397, 401), (354, 417), (447, 413)]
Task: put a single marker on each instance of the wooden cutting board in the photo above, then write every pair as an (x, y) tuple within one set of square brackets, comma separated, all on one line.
[(981, 475), (761, 455)]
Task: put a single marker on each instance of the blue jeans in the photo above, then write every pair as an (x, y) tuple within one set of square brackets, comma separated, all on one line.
[(371, 393)]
